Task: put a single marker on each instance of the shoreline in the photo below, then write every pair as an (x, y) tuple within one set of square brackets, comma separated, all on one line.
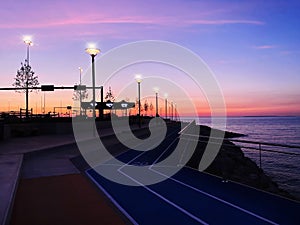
[(232, 164)]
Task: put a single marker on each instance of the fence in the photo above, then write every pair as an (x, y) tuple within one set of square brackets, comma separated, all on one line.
[(280, 161)]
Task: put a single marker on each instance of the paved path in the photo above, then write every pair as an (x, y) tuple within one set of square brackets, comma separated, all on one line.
[(188, 197), (11, 158), (9, 174), (54, 162), (67, 199), (15, 151), (24, 145)]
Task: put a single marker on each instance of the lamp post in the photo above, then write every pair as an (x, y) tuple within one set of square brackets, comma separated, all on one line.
[(156, 101), (44, 102), (175, 111), (80, 95), (29, 43), (138, 79), (93, 52), (172, 110), (166, 106)]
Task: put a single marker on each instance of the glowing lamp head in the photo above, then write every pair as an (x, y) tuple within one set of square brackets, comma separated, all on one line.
[(156, 89), (27, 40), (92, 51), (138, 78), (166, 95)]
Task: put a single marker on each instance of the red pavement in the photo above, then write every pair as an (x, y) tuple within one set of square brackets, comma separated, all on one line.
[(67, 199)]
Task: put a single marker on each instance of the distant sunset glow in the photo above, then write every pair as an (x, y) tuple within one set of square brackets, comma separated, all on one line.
[(252, 48)]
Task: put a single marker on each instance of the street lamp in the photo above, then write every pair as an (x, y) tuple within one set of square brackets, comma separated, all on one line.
[(166, 105), (92, 51), (80, 95), (172, 110), (139, 79), (28, 42), (156, 100), (175, 111)]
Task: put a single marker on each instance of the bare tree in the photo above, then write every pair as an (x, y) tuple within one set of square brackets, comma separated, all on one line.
[(146, 107), (25, 79), (76, 95), (80, 95), (109, 96), (151, 108)]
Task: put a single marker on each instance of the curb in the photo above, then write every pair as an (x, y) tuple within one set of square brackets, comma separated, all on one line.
[(8, 212), (72, 142), (7, 215)]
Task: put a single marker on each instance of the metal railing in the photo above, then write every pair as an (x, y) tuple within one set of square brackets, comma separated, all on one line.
[(260, 149), (259, 144)]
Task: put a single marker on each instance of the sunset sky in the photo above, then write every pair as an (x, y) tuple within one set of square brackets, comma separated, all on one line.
[(252, 47)]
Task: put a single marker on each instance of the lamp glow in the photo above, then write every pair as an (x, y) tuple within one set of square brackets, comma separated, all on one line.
[(138, 78), (92, 51), (27, 40)]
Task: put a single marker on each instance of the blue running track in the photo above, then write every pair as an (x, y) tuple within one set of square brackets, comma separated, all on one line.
[(189, 197)]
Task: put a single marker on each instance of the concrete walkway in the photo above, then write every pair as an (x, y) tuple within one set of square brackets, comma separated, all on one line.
[(11, 158), (10, 167), (36, 143)]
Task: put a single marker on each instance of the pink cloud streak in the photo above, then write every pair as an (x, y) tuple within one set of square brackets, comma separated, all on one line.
[(223, 22), (264, 47), (90, 20), (81, 21)]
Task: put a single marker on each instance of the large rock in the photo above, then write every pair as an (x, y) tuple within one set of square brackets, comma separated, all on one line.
[(231, 164)]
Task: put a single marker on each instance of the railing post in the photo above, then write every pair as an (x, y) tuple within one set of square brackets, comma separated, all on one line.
[(259, 155)]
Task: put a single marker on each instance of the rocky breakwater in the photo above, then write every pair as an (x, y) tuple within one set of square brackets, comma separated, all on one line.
[(232, 164)]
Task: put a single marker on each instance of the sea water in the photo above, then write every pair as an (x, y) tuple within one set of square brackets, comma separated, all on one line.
[(283, 168)]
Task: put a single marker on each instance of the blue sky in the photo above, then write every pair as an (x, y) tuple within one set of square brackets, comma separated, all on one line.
[(251, 46)]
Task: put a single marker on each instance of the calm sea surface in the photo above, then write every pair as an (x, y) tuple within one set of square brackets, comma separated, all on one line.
[(283, 168)]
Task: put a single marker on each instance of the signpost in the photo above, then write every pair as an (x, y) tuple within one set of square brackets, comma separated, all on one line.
[(108, 105)]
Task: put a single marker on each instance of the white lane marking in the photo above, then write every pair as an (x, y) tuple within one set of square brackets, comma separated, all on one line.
[(181, 131), (112, 200), (210, 195), (127, 164), (195, 189), (153, 164), (216, 198), (121, 153), (157, 194), (148, 189), (182, 154), (166, 200)]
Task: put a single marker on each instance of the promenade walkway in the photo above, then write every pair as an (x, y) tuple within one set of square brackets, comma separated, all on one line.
[(13, 153), (59, 194)]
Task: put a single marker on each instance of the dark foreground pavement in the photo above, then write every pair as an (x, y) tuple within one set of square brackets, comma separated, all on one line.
[(37, 157), (65, 199)]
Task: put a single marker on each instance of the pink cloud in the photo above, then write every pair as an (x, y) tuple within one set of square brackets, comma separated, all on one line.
[(83, 20), (222, 22), (264, 47)]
